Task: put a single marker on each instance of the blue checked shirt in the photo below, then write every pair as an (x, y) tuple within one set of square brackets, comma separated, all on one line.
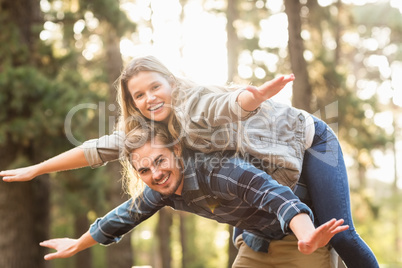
[(228, 190)]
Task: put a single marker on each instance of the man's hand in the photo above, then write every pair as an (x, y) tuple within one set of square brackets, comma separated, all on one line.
[(65, 247), (321, 236)]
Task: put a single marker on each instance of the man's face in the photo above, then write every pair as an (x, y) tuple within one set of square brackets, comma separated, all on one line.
[(158, 167)]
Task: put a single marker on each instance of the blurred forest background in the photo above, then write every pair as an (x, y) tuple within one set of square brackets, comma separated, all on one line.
[(59, 60)]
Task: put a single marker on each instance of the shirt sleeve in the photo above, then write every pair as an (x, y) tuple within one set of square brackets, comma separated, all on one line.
[(214, 109), (241, 179), (104, 149), (121, 220)]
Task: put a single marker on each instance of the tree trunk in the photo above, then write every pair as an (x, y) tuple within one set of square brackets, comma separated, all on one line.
[(24, 223), (302, 93), (395, 189), (232, 251), (232, 15), (119, 255), (187, 258), (163, 232), (84, 258), (23, 206), (191, 257)]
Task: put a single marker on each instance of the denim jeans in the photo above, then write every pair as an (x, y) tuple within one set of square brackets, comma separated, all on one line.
[(324, 173)]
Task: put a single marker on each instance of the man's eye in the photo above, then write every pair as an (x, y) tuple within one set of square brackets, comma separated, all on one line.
[(143, 171), (155, 87), (159, 161)]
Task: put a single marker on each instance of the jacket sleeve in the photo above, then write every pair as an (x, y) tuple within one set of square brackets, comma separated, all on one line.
[(259, 190), (104, 149), (214, 109), (121, 220)]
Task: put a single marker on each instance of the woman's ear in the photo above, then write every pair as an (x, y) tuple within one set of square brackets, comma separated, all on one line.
[(172, 81)]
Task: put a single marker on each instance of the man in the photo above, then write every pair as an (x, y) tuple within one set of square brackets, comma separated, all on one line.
[(226, 189)]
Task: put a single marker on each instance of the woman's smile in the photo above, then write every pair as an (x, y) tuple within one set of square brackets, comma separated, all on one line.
[(155, 107)]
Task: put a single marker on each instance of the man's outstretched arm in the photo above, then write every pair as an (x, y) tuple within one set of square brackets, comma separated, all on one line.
[(311, 238), (67, 247)]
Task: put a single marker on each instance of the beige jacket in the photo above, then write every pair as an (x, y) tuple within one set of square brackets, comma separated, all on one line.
[(274, 133)]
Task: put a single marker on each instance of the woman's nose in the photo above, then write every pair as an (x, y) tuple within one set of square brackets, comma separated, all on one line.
[(150, 97)]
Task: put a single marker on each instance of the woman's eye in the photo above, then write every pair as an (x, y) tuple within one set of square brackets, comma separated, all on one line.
[(156, 87), (138, 96)]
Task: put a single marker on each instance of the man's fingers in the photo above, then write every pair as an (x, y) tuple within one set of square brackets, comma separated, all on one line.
[(337, 225), (340, 229), (334, 226), (49, 243), (326, 226)]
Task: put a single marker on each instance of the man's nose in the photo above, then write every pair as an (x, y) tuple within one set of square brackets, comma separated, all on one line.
[(155, 172)]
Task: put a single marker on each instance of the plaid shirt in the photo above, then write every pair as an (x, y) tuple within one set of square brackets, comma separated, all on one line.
[(231, 191)]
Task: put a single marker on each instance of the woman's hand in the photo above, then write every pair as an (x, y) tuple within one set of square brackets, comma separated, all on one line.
[(20, 174), (270, 88), (252, 97)]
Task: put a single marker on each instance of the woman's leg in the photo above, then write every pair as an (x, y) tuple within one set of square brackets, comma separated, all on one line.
[(325, 174)]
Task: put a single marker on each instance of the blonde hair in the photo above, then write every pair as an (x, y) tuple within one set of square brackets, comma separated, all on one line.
[(135, 139), (129, 113)]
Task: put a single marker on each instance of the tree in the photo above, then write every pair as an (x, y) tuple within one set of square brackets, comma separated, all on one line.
[(302, 92), (85, 24), (36, 95), (24, 208)]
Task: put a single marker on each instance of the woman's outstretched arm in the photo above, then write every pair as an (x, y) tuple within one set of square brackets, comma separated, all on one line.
[(72, 159)]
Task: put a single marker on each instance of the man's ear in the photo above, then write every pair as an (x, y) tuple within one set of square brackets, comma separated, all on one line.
[(177, 150)]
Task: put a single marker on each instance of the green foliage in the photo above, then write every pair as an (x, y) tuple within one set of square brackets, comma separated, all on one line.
[(11, 50), (35, 106), (109, 11)]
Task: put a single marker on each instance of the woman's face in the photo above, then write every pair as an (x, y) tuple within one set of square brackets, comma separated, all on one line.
[(152, 95)]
